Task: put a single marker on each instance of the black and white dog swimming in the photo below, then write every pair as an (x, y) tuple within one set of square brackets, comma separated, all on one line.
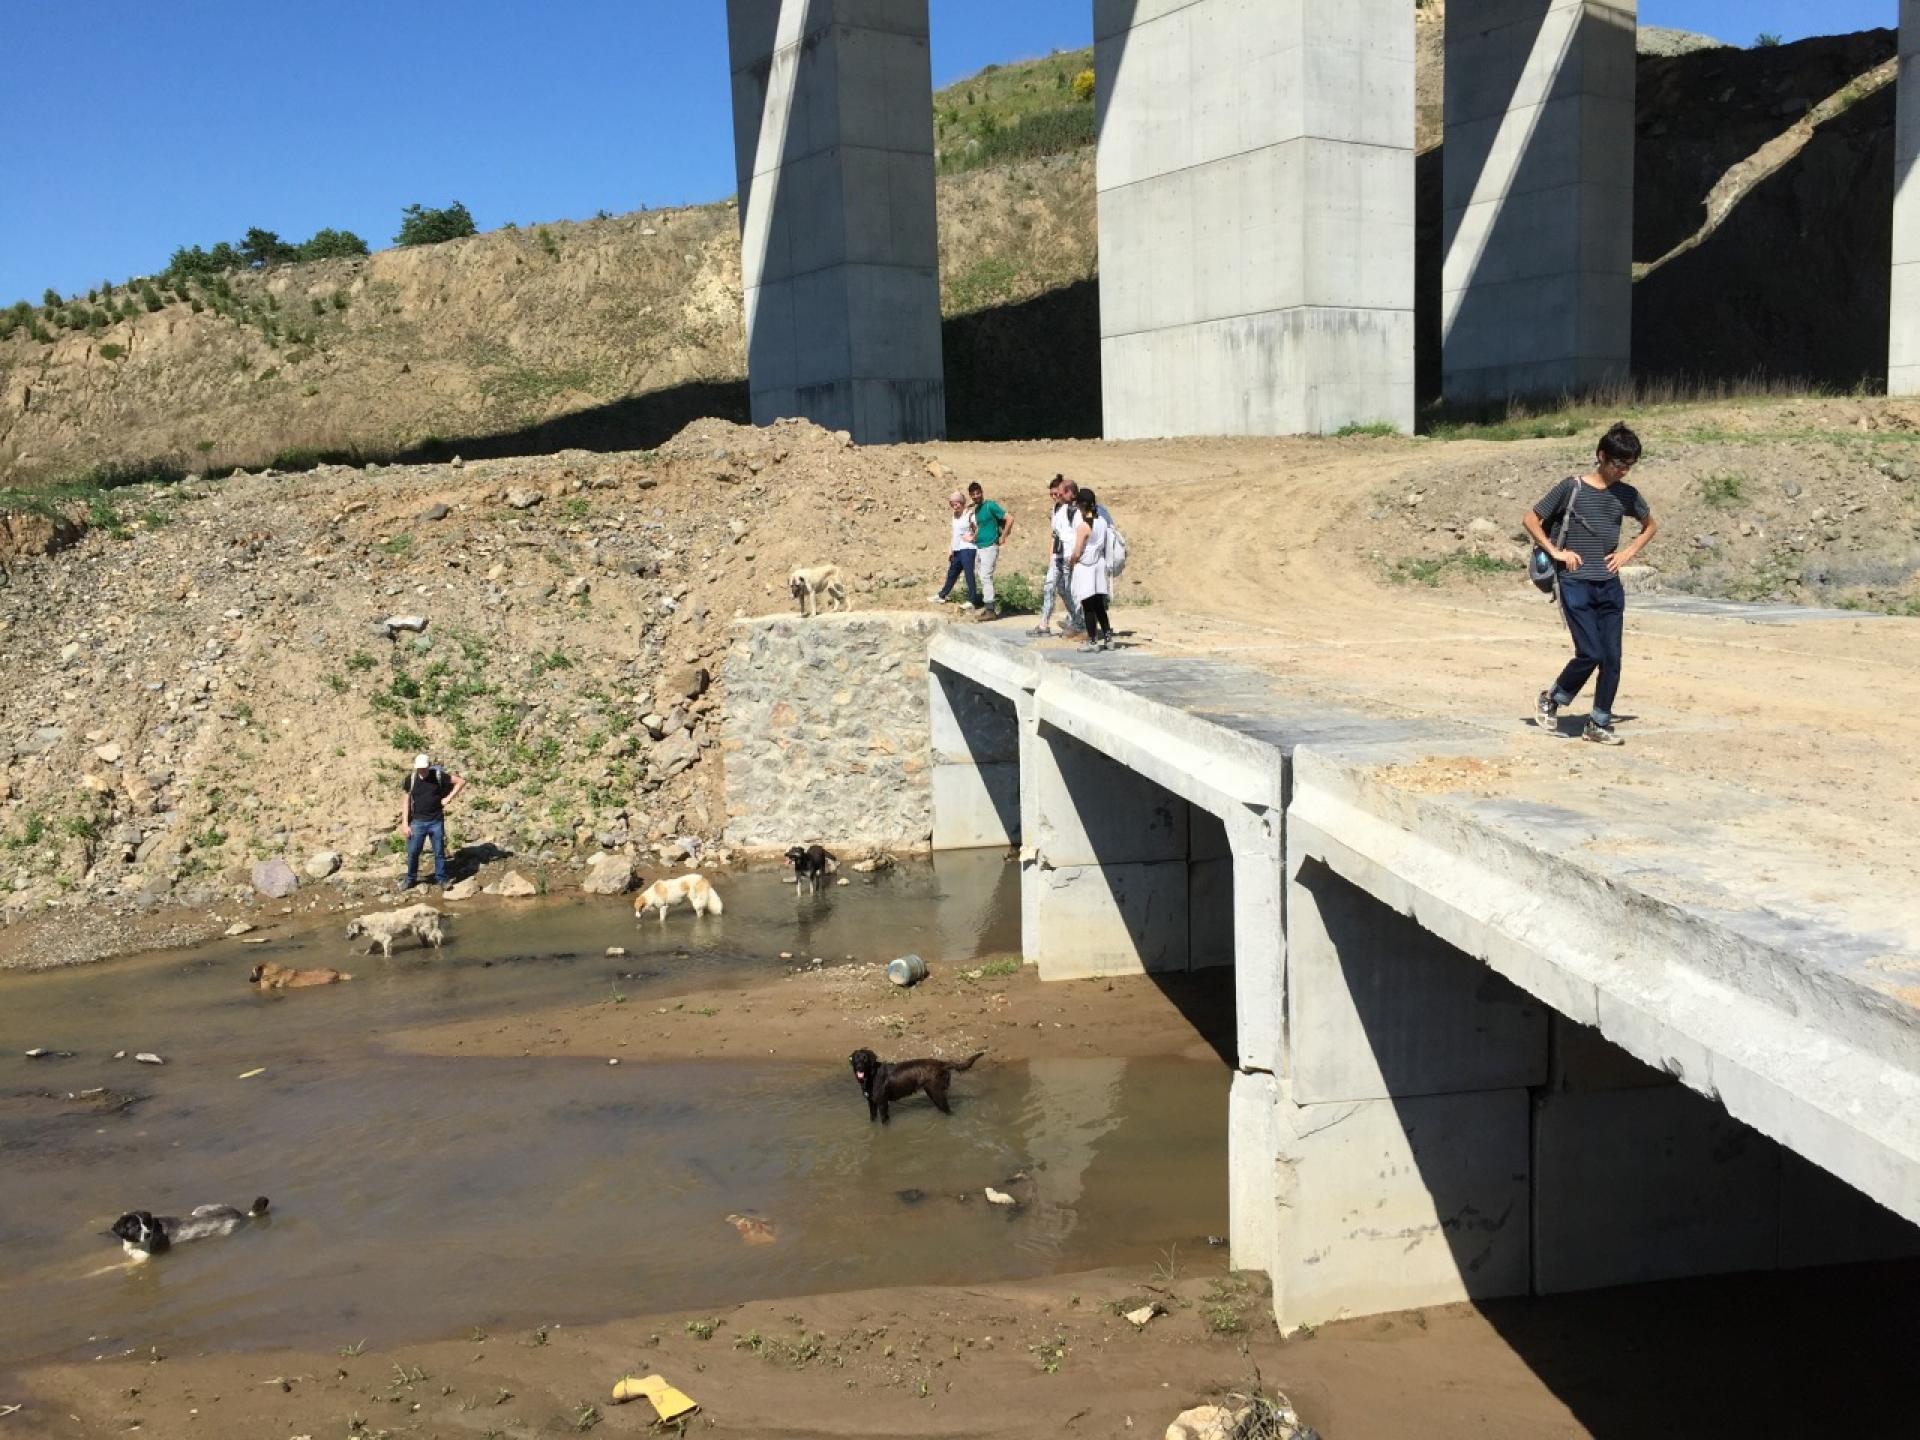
[(144, 1233), (810, 863)]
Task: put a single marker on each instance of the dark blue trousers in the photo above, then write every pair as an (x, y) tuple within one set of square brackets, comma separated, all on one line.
[(423, 832), (1596, 612), (960, 562)]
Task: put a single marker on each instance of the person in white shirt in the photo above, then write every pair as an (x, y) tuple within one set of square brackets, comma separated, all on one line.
[(1092, 582), (961, 552)]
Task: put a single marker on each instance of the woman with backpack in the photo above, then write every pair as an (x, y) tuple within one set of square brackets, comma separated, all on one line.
[(1089, 566)]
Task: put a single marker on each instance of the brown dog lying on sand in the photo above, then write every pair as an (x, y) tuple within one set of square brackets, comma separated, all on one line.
[(269, 976), (881, 1082)]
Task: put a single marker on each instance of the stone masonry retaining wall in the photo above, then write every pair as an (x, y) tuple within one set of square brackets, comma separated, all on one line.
[(826, 733)]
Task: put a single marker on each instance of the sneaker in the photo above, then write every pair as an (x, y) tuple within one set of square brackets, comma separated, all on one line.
[(408, 884), (1040, 630), (1106, 645), (1548, 709), (1090, 648), (936, 599), (1601, 734)]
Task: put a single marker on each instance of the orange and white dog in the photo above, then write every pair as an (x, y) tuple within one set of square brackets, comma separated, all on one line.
[(663, 894)]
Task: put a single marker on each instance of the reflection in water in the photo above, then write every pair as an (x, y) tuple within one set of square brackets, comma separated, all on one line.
[(416, 1196)]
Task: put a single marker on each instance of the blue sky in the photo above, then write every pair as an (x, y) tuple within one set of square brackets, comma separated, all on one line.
[(130, 128)]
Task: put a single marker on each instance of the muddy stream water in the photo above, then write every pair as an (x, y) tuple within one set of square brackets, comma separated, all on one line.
[(418, 1196)]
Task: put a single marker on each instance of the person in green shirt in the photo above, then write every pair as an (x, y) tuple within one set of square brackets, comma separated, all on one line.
[(992, 524)]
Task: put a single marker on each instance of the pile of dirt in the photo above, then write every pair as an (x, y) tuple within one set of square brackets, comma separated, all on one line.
[(222, 671)]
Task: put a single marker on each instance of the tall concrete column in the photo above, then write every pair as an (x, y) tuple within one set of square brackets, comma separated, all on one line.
[(1537, 282), (839, 248), (1903, 333), (975, 735), (1255, 180)]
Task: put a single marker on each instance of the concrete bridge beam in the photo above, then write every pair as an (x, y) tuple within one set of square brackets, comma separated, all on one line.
[(839, 246), (1537, 279), (1255, 179)]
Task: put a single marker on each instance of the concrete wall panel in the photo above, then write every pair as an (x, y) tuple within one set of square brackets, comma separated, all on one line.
[(1386, 1205), (1113, 919), (1378, 1006), (976, 805), (1648, 1184), (1094, 811)]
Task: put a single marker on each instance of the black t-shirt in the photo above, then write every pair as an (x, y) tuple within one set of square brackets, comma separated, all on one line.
[(1593, 531), (429, 792)]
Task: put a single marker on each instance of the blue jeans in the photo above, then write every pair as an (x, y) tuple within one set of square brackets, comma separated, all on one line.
[(960, 562), (418, 834), (1596, 612)]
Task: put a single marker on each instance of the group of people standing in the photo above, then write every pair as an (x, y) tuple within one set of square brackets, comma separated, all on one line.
[(1084, 555)]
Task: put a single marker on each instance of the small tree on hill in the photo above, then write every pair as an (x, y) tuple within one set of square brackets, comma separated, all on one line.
[(333, 245), (421, 226), (262, 248)]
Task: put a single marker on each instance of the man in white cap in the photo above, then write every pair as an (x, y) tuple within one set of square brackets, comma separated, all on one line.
[(423, 816)]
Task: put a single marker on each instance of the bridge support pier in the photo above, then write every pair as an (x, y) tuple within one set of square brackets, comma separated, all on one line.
[(1903, 335), (1537, 280), (1256, 215), (839, 248)]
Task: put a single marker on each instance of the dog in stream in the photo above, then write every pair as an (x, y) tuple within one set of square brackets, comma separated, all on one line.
[(882, 1082), (662, 895), (144, 1234), (811, 864), (269, 976)]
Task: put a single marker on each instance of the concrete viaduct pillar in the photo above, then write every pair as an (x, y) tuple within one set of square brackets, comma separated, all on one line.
[(839, 248), (1537, 279), (1903, 336), (1255, 180)]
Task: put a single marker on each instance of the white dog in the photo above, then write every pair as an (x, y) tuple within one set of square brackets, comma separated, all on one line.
[(662, 894), (809, 582), (383, 927)]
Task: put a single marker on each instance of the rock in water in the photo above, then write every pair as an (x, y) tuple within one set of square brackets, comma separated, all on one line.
[(461, 890), (513, 885)]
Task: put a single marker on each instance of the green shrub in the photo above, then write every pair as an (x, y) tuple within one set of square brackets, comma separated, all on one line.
[(985, 281), (1766, 40), (1373, 427), (50, 298), (1015, 593), (111, 351), (421, 226), (405, 737), (547, 242), (1723, 492), (1083, 85), (332, 245), (339, 299)]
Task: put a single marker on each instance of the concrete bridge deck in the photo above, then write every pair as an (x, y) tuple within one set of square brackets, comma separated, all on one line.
[(1487, 1044)]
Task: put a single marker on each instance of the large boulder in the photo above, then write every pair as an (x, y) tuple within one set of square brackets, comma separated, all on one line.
[(275, 878), (461, 889), (672, 755), (28, 532), (608, 874), (514, 886)]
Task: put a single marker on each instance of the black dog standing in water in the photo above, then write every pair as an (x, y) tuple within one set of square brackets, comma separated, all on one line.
[(881, 1082), (810, 864), (143, 1233)]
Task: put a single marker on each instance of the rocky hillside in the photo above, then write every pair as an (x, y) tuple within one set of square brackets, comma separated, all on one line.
[(612, 334), (210, 674)]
